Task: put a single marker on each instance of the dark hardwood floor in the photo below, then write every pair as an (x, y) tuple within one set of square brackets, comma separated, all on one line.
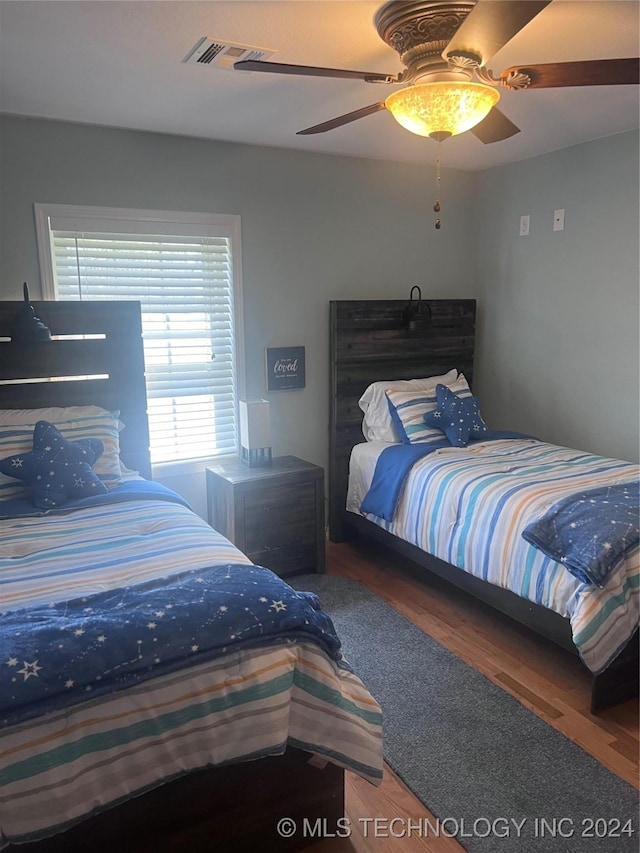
[(549, 681)]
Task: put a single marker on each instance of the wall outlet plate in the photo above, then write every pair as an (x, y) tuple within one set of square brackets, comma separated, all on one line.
[(524, 225)]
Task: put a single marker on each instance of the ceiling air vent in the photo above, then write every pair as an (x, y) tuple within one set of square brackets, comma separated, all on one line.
[(222, 54)]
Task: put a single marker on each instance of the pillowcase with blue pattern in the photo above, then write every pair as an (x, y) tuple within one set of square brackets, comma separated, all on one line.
[(16, 437), (376, 423), (408, 409), (56, 469), (457, 416)]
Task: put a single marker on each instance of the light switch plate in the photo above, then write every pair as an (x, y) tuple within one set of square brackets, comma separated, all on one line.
[(558, 220)]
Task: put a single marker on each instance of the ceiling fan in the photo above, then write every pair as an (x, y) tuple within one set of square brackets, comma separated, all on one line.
[(444, 46)]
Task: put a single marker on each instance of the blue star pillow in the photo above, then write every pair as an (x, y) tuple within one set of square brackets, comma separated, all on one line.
[(458, 417), (56, 469)]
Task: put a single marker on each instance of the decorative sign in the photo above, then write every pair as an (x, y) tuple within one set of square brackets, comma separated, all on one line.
[(285, 368)]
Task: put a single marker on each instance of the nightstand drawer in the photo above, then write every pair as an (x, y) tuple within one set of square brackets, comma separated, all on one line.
[(266, 507), (281, 535), (295, 559)]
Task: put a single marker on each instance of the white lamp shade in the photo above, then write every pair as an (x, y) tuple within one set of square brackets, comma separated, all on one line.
[(255, 428)]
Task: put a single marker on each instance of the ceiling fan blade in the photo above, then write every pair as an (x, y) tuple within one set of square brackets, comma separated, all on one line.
[(595, 72), (345, 119), (313, 71), (494, 128), (490, 25)]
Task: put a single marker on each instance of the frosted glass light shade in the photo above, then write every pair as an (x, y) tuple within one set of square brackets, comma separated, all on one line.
[(255, 428), (441, 109), (255, 432)]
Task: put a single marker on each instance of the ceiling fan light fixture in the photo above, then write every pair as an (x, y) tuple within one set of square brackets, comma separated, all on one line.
[(441, 109)]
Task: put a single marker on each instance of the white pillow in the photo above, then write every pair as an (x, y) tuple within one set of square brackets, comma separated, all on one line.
[(53, 414), (377, 424)]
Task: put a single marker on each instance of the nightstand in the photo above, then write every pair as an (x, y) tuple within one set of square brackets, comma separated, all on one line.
[(275, 514)]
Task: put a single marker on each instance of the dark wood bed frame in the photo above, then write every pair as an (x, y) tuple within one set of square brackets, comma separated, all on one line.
[(369, 342), (232, 808), (106, 369)]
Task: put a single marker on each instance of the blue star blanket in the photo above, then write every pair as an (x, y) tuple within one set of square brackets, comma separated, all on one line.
[(589, 532), (53, 656)]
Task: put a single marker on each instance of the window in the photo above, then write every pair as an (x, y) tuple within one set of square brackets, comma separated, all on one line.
[(184, 269)]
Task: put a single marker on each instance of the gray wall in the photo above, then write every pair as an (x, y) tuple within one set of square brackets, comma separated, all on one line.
[(557, 349), (558, 345), (314, 228)]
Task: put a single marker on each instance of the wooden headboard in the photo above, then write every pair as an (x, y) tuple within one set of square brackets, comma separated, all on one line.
[(105, 370), (370, 342)]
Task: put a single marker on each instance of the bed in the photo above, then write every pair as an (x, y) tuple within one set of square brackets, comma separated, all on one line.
[(460, 512), (161, 736)]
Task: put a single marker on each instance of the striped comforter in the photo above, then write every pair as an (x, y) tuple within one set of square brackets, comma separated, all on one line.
[(469, 506), (59, 767)]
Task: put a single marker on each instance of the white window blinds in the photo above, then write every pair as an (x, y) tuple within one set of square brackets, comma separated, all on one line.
[(184, 283)]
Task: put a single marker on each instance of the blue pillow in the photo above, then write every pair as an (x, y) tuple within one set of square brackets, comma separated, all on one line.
[(458, 417), (407, 409), (56, 469)]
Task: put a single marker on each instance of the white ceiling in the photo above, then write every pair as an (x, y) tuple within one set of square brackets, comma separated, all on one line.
[(119, 64)]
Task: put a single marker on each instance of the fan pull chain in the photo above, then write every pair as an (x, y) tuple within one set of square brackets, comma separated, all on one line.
[(436, 206)]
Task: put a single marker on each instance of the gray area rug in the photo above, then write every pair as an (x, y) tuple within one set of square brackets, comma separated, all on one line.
[(497, 777)]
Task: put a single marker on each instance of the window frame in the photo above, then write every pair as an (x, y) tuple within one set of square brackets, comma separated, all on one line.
[(222, 225)]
